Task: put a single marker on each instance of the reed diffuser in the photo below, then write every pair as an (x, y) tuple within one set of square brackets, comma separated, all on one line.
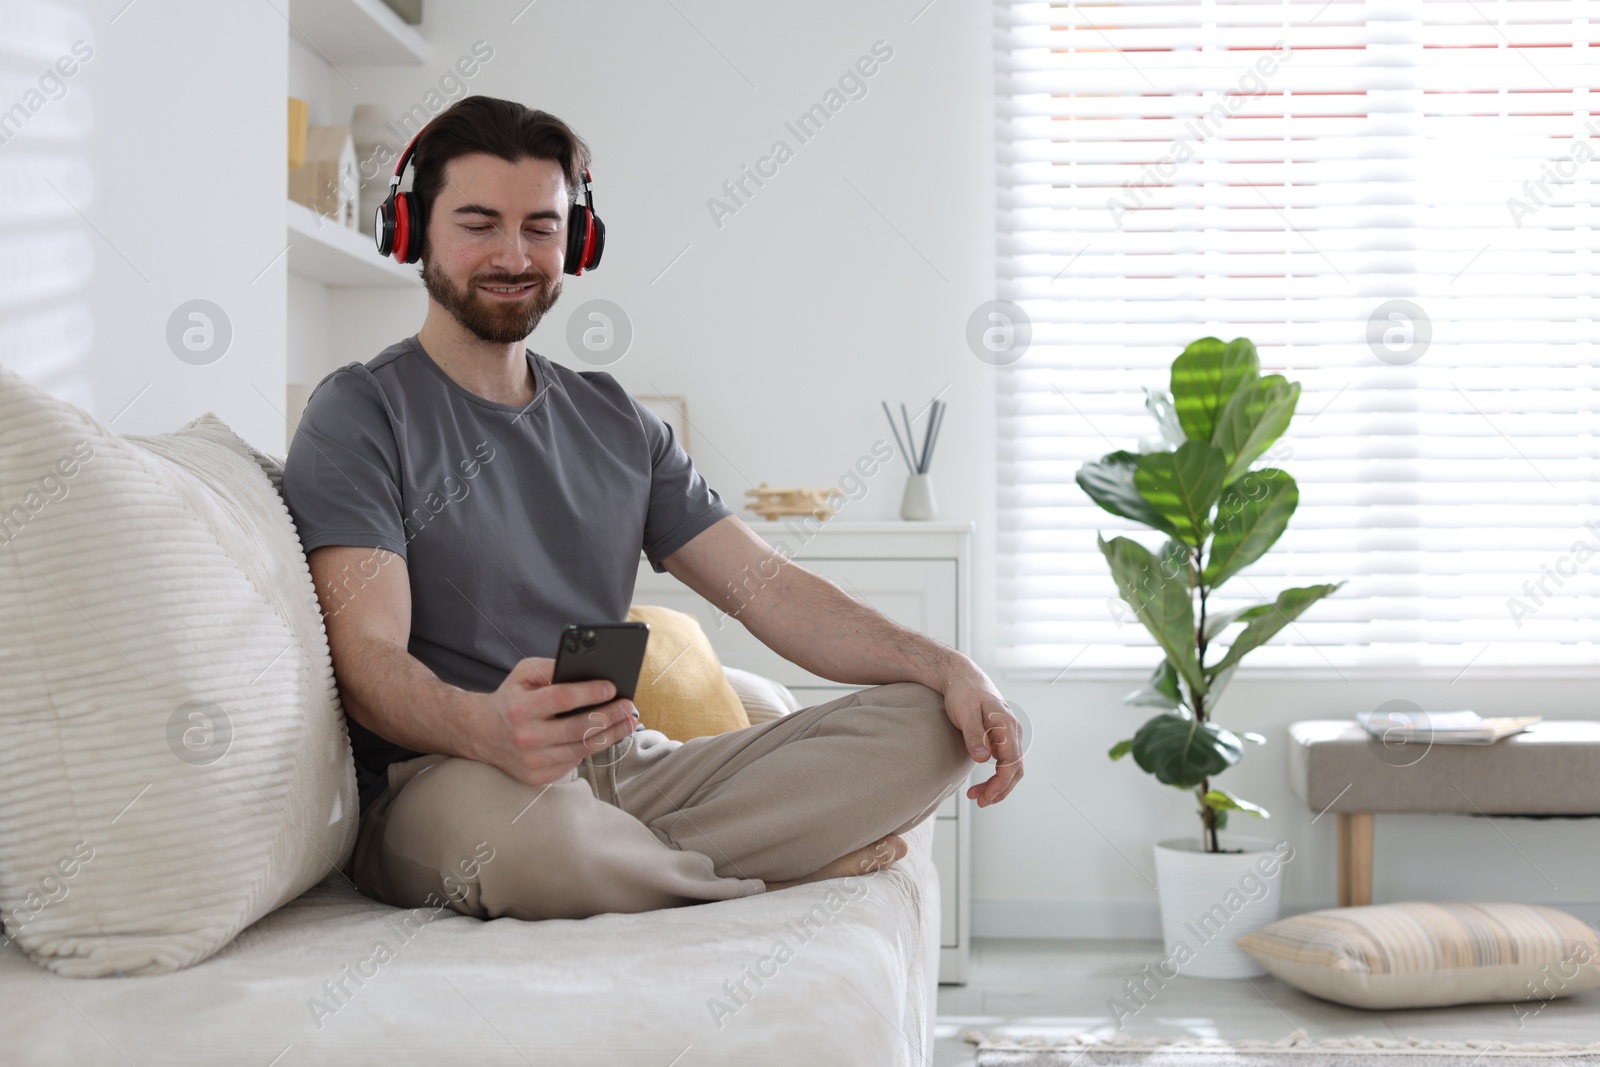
[(917, 503)]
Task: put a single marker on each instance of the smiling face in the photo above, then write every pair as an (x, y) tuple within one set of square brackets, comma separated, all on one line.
[(496, 244)]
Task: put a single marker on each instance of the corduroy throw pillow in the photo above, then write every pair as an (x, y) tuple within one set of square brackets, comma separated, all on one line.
[(173, 760)]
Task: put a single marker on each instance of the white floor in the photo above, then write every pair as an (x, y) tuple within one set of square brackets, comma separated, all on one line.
[(1062, 988)]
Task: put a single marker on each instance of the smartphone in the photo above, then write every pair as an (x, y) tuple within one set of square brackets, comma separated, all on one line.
[(613, 651)]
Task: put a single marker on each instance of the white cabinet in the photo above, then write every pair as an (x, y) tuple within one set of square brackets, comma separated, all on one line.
[(916, 573)]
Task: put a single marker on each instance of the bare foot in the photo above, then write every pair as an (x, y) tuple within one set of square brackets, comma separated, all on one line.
[(874, 857)]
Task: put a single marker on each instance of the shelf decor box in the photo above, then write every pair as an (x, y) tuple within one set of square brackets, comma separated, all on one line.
[(328, 182)]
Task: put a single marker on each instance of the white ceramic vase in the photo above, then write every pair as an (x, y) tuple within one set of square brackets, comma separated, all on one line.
[(1209, 899), (917, 501)]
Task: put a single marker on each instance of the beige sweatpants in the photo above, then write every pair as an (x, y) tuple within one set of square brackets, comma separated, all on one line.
[(655, 823)]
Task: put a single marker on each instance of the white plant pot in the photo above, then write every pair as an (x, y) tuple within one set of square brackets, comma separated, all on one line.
[(1209, 899)]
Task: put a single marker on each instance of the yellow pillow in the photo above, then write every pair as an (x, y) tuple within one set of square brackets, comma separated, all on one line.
[(682, 691)]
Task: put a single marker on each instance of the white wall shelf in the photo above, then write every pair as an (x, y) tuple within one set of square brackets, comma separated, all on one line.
[(324, 251), (359, 31)]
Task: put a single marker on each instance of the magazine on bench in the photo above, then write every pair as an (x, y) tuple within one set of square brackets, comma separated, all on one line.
[(1442, 727)]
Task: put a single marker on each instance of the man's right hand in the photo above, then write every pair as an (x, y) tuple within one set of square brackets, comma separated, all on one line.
[(522, 735)]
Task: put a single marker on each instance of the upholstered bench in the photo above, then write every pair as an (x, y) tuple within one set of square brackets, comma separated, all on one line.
[(1553, 768)]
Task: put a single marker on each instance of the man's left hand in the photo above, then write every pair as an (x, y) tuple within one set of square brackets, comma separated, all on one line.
[(980, 713)]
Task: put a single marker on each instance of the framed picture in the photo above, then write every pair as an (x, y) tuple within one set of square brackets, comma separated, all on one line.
[(674, 411)]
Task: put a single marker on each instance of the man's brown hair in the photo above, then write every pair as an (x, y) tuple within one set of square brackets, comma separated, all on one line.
[(502, 128)]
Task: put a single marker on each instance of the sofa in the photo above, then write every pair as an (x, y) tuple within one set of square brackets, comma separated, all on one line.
[(649, 989), (177, 813)]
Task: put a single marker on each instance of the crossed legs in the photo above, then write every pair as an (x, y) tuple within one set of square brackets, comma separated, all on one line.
[(653, 823)]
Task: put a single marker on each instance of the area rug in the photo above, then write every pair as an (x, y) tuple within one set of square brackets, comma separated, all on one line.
[(1297, 1050)]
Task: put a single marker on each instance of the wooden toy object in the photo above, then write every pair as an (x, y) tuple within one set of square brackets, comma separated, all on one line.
[(770, 503), (328, 181)]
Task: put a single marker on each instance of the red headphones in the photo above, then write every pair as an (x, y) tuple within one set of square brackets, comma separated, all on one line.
[(399, 227)]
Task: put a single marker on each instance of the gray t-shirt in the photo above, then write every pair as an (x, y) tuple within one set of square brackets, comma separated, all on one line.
[(513, 521)]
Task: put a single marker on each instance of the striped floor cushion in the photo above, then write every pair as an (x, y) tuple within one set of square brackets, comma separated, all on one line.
[(1420, 955)]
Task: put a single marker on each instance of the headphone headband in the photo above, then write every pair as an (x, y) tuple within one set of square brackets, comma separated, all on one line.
[(405, 157), (399, 221)]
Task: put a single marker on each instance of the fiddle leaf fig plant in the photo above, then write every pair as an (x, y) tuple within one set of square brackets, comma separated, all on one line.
[(1196, 486)]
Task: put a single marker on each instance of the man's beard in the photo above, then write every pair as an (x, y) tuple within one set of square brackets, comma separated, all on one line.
[(487, 318)]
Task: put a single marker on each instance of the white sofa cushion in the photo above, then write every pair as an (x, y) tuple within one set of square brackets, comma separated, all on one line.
[(308, 984), (173, 760), (763, 698)]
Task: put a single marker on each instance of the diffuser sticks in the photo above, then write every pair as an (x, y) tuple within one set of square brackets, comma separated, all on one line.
[(917, 463)]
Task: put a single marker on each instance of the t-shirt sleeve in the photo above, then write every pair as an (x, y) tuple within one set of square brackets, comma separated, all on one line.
[(341, 478), (682, 504)]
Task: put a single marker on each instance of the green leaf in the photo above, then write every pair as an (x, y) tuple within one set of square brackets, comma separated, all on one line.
[(1205, 377), (1287, 608), (1254, 739), (1251, 516), (1221, 800), (1161, 691), (1175, 558), (1183, 486), (1159, 404), (1109, 483), (1220, 621), (1121, 748), (1160, 600), (1184, 752), (1252, 419)]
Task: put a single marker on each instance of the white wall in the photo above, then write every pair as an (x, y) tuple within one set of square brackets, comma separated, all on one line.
[(1047, 862), (785, 327), (170, 176)]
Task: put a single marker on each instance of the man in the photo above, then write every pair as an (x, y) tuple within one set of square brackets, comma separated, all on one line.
[(461, 499)]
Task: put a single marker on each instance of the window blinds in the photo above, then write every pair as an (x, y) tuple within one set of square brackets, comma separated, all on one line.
[(1396, 202)]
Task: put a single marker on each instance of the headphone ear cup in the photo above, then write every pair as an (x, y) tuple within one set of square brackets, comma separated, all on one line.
[(577, 236), (418, 229), (383, 227), (599, 241), (406, 228), (402, 229)]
